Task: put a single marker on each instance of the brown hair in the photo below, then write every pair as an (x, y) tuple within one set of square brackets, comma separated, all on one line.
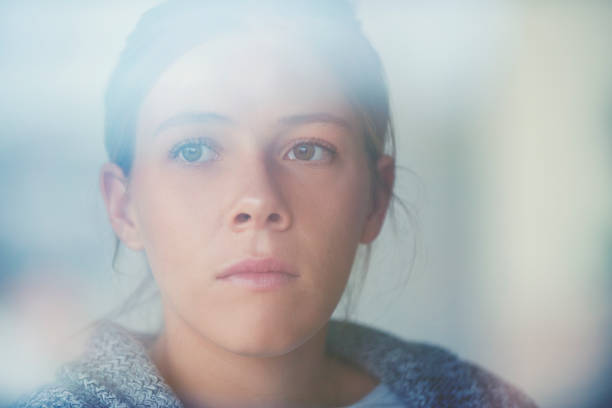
[(169, 30)]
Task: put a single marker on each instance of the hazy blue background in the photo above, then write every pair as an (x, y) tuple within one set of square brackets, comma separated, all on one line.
[(503, 110)]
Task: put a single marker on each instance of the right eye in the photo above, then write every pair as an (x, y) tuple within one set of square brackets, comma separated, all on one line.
[(193, 151)]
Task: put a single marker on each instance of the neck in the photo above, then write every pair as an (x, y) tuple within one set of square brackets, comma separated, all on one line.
[(202, 373)]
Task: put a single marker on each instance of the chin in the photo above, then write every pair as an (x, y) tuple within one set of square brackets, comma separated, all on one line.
[(263, 336)]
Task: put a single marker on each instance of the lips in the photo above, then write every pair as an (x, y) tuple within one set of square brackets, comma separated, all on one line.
[(263, 273)]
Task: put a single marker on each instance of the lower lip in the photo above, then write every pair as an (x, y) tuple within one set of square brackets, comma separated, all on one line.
[(261, 280)]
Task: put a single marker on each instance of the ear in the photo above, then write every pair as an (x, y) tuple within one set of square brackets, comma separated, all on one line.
[(114, 188), (385, 166)]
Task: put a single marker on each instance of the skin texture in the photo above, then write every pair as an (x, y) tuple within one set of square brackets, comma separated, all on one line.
[(281, 172)]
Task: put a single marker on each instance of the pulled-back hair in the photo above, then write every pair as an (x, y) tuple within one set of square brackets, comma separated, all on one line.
[(171, 29), (166, 32)]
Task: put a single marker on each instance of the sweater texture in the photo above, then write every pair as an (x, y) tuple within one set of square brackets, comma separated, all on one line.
[(115, 371)]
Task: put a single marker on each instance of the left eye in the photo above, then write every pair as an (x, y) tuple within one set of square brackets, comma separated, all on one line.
[(308, 151), (194, 152)]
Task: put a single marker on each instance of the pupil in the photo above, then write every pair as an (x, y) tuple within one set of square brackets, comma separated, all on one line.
[(305, 152), (192, 153)]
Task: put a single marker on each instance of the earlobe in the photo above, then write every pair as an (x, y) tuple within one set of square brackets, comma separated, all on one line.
[(114, 189), (385, 167)]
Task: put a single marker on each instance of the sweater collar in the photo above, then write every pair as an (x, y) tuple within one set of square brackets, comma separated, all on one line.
[(117, 368)]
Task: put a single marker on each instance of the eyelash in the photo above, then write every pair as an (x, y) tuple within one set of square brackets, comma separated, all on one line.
[(331, 149), (175, 151)]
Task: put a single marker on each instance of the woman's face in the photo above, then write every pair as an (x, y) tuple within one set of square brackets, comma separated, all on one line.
[(247, 150)]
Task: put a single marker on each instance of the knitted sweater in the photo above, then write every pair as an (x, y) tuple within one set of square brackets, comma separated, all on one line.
[(115, 371)]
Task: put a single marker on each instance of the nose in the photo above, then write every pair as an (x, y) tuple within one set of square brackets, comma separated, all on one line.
[(260, 203)]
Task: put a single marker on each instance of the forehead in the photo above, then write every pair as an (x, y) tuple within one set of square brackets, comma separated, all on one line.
[(249, 76)]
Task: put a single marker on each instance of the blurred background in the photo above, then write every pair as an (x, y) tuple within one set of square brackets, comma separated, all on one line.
[(503, 114)]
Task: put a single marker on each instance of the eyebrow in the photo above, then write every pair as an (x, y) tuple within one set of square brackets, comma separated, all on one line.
[(319, 117), (187, 118)]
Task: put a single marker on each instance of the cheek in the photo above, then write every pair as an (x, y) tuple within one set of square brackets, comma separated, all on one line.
[(330, 216), (182, 216), (176, 217)]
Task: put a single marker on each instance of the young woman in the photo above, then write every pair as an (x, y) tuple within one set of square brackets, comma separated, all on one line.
[(251, 153)]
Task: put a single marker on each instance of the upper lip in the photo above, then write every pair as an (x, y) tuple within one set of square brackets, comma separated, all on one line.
[(256, 265)]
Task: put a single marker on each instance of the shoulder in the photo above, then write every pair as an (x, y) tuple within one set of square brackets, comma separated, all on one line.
[(115, 371), (421, 374), (52, 396)]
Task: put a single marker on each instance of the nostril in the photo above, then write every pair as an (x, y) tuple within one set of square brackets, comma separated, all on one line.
[(242, 217), (274, 217)]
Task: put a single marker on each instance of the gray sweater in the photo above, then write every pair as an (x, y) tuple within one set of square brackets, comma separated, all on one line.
[(115, 371)]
